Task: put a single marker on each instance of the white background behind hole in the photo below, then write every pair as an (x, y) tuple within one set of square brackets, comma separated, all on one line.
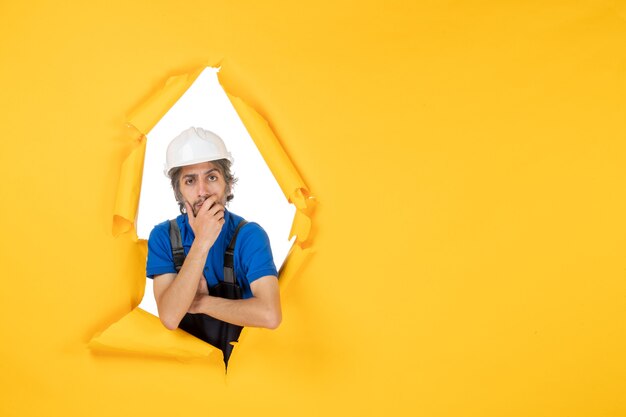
[(258, 197)]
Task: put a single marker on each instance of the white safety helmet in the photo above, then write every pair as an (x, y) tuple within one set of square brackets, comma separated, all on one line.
[(193, 146)]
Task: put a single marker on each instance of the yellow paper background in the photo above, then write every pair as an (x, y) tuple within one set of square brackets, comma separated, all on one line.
[(468, 163)]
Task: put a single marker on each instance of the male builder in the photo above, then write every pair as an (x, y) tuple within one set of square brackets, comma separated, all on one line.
[(198, 166)]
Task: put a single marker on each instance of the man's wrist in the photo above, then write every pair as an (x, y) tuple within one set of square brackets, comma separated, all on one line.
[(202, 247)]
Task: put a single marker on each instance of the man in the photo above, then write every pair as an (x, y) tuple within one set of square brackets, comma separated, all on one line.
[(198, 165)]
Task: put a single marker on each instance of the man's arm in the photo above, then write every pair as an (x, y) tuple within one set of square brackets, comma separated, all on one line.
[(261, 310), (174, 296)]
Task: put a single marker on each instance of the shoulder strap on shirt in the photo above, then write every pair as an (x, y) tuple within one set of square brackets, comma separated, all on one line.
[(178, 252), (177, 245), (229, 256)]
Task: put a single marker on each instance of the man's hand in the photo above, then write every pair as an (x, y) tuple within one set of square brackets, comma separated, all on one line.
[(202, 287), (201, 292), (207, 222), (196, 304)]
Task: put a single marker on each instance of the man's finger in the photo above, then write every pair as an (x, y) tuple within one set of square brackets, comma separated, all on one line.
[(189, 210), (217, 207), (208, 203)]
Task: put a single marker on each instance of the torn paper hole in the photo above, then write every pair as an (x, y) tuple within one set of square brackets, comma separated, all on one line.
[(258, 197), (267, 179)]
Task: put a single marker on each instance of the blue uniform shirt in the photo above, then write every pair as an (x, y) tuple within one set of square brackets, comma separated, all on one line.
[(253, 255)]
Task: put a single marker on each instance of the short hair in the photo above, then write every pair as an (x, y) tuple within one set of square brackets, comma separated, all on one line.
[(222, 165)]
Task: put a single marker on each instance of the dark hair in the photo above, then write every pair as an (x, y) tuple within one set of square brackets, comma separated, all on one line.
[(222, 165)]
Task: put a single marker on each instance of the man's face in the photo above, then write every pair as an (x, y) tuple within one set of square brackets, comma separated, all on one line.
[(200, 181)]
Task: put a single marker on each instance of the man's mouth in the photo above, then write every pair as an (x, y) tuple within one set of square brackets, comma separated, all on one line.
[(199, 203)]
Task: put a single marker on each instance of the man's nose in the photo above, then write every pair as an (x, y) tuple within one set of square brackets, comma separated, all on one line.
[(203, 188)]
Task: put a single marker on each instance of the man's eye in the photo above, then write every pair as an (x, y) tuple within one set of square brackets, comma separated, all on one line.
[(189, 181), (212, 178)]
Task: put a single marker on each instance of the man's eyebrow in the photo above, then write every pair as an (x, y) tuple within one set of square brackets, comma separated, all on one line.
[(205, 173)]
